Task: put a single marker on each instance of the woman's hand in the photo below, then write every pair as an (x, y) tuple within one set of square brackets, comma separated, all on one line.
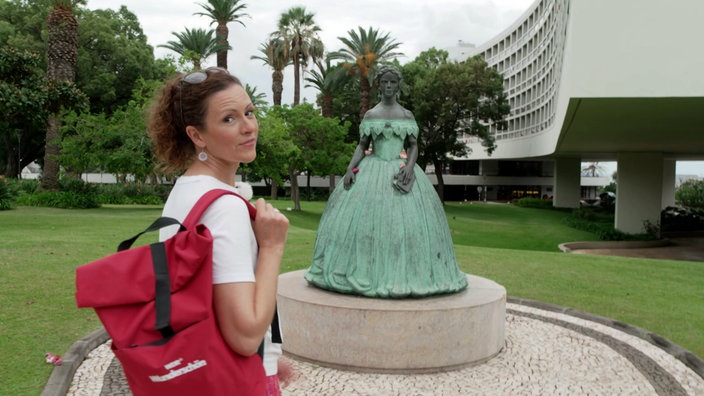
[(244, 309), (270, 226)]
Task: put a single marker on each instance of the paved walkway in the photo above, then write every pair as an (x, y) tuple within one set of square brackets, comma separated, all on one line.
[(674, 248), (549, 350)]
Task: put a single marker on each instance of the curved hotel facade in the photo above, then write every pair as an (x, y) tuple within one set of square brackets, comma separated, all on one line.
[(594, 80)]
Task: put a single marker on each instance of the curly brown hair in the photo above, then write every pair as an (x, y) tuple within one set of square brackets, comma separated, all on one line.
[(178, 105)]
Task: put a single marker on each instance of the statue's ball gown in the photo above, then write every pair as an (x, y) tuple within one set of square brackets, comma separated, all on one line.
[(376, 241)]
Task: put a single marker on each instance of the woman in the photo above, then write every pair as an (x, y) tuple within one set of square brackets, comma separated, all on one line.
[(384, 233), (205, 123)]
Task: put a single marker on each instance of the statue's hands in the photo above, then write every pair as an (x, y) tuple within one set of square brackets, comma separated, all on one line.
[(405, 175), (403, 180), (349, 178)]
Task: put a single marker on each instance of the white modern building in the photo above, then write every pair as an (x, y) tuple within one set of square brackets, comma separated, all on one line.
[(601, 80)]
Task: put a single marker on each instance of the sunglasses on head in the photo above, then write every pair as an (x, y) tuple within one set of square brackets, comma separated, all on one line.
[(193, 78), (199, 76)]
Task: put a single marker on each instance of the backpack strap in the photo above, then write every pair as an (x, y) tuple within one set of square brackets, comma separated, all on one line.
[(194, 216), (208, 198)]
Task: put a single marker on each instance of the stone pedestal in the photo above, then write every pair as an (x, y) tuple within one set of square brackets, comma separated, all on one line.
[(398, 336)]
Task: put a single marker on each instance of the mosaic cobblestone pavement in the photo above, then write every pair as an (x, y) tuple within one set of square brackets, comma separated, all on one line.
[(547, 352)]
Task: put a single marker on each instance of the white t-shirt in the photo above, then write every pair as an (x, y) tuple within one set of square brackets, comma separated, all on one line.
[(234, 244)]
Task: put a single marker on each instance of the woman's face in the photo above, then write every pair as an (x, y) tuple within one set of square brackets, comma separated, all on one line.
[(388, 84), (231, 128)]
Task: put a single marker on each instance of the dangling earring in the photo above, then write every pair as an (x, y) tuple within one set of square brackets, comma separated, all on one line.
[(203, 156)]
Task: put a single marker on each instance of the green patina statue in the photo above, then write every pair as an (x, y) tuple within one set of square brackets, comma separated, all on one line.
[(383, 233)]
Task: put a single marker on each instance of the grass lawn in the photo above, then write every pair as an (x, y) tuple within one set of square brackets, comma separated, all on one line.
[(516, 247)]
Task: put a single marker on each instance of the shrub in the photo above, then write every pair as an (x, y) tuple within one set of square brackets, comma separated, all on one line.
[(600, 222), (73, 194), (112, 194), (8, 193), (133, 194), (29, 186), (534, 203), (674, 219), (691, 194)]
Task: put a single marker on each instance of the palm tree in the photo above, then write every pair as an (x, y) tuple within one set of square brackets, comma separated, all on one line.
[(593, 169), (258, 98), (363, 52), (328, 80), (223, 12), (195, 45), (298, 28), (62, 51), (275, 54)]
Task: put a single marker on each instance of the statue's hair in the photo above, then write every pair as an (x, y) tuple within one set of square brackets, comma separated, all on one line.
[(177, 105), (383, 69)]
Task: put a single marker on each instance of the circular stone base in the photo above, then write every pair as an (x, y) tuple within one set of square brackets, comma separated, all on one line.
[(400, 336)]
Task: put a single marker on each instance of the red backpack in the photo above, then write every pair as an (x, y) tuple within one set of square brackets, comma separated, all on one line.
[(156, 303)]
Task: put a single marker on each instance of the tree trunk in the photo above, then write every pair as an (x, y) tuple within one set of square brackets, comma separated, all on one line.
[(11, 161), (277, 86), (327, 106), (296, 80), (308, 189), (62, 51), (221, 33), (274, 191), (332, 184), (50, 172), (295, 196), (441, 181)]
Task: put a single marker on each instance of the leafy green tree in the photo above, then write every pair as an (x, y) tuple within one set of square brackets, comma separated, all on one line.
[(223, 12), (298, 28), (611, 187), (322, 144), (27, 99), (275, 54), (61, 55), (117, 144), (691, 194), (195, 45), (275, 150), (345, 107), (112, 49), (297, 140), (363, 52), (450, 99), (23, 25), (81, 137), (113, 55), (329, 81)]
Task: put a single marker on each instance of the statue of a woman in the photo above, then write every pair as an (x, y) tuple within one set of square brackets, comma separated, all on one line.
[(383, 232)]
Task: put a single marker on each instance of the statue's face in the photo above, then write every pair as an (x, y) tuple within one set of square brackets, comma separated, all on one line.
[(388, 84)]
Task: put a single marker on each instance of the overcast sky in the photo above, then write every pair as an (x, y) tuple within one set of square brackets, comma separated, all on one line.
[(417, 25)]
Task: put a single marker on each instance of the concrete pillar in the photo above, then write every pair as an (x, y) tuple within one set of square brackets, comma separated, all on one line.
[(639, 195), (669, 170), (566, 193), (488, 168)]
